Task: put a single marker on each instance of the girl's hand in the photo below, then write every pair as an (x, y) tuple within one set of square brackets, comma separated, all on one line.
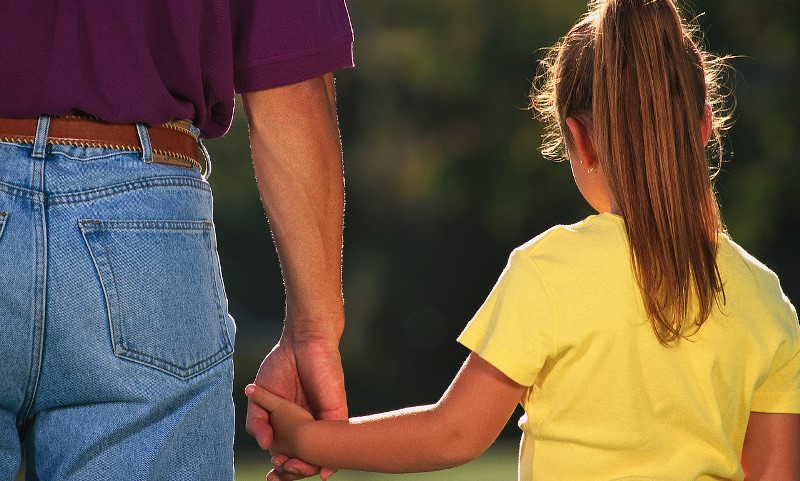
[(286, 418)]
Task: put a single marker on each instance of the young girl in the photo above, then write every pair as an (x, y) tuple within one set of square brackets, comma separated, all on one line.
[(642, 342)]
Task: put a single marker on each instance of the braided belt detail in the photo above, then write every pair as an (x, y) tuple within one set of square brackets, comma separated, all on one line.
[(173, 143)]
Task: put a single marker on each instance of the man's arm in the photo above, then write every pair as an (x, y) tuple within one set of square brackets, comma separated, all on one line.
[(297, 156), (294, 138), (772, 447), (453, 431)]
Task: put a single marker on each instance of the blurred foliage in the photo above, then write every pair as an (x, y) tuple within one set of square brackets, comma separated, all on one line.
[(444, 177)]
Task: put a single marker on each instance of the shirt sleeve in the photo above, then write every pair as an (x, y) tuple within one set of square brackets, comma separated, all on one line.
[(516, 328), (780, 392), (280, 42)]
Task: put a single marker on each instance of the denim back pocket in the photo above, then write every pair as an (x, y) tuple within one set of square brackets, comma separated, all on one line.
[(163, 290)]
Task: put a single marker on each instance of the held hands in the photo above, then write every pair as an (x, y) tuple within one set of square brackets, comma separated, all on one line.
[(287, 419), (309, 374)]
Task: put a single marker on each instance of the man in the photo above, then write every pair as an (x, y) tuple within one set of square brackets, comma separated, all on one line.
[(114, 333)]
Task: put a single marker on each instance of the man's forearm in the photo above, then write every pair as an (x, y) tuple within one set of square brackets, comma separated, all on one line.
[(297, 156)]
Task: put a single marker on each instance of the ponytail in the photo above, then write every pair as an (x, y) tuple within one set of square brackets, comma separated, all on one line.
[(632, 73)]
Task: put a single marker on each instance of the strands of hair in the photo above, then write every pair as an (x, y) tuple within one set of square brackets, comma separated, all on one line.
[(633, 72)]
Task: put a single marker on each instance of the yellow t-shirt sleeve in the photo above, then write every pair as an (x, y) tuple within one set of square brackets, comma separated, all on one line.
[(780, 392), (516, 328)]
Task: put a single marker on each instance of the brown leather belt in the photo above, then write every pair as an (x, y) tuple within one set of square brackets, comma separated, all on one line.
[(173, 143)]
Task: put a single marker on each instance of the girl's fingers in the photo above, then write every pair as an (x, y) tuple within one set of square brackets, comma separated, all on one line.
[(278, 460), (263, 398)]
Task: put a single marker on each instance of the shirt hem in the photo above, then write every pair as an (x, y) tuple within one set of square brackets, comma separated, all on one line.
[(776, 402), (495, 354), (294, 68)]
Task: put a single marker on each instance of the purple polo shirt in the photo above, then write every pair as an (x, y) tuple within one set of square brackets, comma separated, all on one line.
[(156, 60)]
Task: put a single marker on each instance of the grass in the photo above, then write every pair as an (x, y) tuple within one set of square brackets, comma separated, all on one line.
[(499, 463)]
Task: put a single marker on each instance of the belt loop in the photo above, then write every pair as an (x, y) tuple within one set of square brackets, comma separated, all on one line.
[(203, 149), (40, 141), (144, 140)]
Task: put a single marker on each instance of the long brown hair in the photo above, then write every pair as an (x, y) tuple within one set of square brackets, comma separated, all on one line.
[(633, 73)]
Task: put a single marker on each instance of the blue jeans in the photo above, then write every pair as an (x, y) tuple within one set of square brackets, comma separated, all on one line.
[(115, 338)]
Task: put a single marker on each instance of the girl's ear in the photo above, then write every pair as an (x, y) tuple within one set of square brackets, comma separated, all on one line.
[(706, 126), (582, 143)]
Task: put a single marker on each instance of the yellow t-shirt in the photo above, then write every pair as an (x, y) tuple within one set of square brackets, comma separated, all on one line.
[(606, 400)]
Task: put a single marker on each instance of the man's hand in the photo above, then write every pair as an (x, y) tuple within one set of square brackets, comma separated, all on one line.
[(309, 373)]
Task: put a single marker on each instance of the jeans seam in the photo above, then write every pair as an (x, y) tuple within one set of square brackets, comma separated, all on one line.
[(91, 158), (173, 370), (90, 195), (21, 192), (40, 295), (161, 225)]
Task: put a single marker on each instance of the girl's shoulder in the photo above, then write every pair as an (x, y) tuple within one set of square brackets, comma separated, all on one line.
[(733, 257), (742, 271), (596, 232)]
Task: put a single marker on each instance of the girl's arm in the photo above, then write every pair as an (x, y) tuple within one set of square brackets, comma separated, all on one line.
[(457, 429), (772, 447)]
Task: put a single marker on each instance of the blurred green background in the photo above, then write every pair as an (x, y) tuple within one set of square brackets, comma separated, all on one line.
[(444, 179)]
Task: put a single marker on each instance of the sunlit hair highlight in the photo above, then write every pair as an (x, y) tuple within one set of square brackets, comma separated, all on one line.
[(633, 73)]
